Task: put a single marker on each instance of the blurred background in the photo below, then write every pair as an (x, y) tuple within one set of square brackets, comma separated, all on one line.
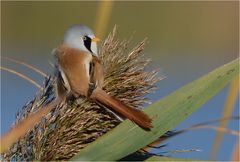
[(186, 40)]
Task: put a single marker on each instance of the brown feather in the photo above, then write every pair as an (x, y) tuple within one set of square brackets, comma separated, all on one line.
[(82, 69), (98, 72), (74, 63), (137, 116)]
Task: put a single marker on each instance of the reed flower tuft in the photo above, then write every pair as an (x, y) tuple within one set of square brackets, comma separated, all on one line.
[(72, 125)]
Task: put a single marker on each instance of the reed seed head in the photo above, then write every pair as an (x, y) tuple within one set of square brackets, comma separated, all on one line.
[(73, 125)]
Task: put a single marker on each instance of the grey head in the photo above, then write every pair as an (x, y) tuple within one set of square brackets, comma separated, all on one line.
[(82, 38)]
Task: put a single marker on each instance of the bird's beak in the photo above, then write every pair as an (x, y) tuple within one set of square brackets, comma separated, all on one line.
[(95, 39)]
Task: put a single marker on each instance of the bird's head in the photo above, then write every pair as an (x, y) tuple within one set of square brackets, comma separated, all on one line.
[(81, 37)]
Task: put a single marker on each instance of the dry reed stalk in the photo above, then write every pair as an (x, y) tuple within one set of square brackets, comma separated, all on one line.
[(70, 127), (235, 154), (26, 65), (227, 111), (21, 75)]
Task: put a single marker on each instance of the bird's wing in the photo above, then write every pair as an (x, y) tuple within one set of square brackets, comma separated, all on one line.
[(96, 72), (74, 66)]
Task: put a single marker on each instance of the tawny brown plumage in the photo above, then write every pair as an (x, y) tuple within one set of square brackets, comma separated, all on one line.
[(74, 62), (135, 115), (97, 76)]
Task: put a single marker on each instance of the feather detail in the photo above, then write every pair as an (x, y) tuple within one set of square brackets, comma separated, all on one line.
[(135, 115), (98, 72), (75, 65)]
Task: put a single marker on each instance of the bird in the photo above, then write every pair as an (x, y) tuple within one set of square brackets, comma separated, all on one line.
[(80, 73)]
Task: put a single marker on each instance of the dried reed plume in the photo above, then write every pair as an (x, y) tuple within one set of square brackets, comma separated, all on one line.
[(73, 125)]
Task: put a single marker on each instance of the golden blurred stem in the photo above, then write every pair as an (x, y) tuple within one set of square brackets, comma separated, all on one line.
[(227, 110), (102, 17), (235, 155), (26, 65)]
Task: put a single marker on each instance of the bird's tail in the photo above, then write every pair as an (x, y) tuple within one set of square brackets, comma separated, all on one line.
[(137, 116)]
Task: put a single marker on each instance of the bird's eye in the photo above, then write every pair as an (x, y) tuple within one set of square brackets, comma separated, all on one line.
[(85, 38)]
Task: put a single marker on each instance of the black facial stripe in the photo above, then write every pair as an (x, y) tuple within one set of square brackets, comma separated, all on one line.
[(87, 43)]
